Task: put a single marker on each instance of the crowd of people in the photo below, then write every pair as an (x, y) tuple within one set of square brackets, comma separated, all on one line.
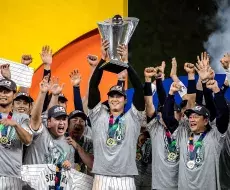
[(185, 146)]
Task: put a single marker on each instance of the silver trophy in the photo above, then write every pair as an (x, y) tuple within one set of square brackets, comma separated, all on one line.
[(117, 31)]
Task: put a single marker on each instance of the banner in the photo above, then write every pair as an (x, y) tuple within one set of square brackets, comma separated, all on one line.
[(42, 177)]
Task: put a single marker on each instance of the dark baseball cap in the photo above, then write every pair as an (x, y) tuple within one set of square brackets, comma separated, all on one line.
[(200, 110), (62, 97), (25, 96), (78, 113), (56, 111), (9, 84), (116, 90)]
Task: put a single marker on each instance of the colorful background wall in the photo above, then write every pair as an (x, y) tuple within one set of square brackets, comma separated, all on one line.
[(69, 27)]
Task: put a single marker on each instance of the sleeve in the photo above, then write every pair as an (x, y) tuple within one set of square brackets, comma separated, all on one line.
[(168, 114), (138, 96), (139, 115), (77, 99), (191, 86), (199, 97), (25, 123), (94, 94), (161, 94), (222, 118), (209, 101)]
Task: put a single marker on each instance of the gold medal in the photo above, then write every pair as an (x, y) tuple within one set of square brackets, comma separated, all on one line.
[(78, 167), (172, 156), (110, 142), (4, 140), (138, 156)]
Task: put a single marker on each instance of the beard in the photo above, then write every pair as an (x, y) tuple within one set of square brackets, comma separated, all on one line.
[(77, 131)]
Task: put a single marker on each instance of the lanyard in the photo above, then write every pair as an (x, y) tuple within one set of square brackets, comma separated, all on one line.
[(193, 148), (113, 125), (171, 142), (4, 129)]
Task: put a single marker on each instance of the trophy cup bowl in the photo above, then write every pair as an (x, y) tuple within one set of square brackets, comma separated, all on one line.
[(117, 31)]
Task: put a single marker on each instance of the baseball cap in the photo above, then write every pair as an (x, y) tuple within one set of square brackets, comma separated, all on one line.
[(78, 113), (200, 110), (116, 90), (25, 96), (62, 97), (57, 111), (9, 84)]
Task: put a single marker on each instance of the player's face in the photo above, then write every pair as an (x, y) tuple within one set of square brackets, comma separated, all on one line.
[(21, 106), (6, 96), (76, 127), (116, 102), (197, 123), (58, 126)]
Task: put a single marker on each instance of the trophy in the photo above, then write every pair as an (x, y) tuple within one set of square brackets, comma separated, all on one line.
[(117, 31)]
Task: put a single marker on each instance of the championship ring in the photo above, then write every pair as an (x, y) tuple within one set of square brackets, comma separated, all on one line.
[(138, 156), (172, 156), (191, 164), (110, 142), (4, 140)]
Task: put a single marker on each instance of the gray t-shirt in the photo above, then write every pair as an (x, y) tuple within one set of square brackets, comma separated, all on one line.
[(225, 162), (118, 159), (164, 168), (205, 174), (45, 149), (11, 153)]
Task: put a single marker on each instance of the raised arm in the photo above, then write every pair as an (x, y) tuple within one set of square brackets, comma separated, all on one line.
[(222, 117), (38, 105), (75, 78), (168, 109), (150, 109), (94, 93)]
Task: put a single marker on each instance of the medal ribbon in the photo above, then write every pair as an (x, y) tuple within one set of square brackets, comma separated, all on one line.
[(113, 125), (3, 128), (193, 149), (171, 143)]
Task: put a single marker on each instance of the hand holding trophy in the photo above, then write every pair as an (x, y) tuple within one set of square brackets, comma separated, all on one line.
[(117, 31)]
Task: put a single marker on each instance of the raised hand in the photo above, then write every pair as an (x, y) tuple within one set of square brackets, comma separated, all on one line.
[(175, 87), (203, 59), (225, 61), (122, 75), (66, 164), (212, 84), (5, 71), (26, 59), (92, 60), (122, 50), (189, 68), (174, 68), (104, 49), (212, 74), (75, 78), (72, 142), (203, 71), (150, 72), (46, 55), (44, 84), (56, 88)]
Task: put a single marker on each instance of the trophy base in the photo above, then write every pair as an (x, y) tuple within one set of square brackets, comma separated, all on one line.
[(114, 66)]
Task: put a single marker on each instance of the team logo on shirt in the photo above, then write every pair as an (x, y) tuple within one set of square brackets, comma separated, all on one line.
[(56, 154)]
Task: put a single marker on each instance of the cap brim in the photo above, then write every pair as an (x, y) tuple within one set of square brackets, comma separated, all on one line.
[(7, 87), (190, 111), (59, 115), (79, 114), (112, 92), (28, 99)]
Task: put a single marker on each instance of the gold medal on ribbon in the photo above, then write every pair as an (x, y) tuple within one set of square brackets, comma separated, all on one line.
[(78, 167), (4, 140), (138, 156), (110, 142), (172, 156)]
